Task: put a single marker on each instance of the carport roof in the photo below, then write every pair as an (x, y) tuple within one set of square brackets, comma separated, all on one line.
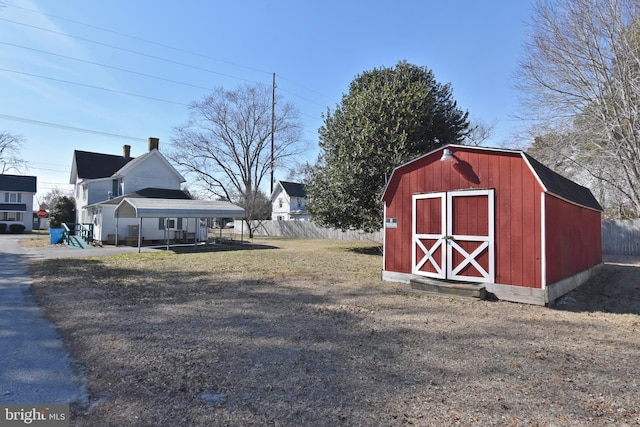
[(176, 208)]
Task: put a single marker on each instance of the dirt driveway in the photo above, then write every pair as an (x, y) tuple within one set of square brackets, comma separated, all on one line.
[(304, 333)]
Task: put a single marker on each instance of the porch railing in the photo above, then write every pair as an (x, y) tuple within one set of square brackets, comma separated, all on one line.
[(80, 231)]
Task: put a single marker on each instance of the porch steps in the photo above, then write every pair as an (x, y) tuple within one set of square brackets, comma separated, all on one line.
[(76, 242), (448, 289)]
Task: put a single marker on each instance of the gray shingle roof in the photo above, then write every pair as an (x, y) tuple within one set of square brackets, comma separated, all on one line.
[(13, 207), (563, 187), (97, 165), (18, 183), (294, 189), (151, 193)]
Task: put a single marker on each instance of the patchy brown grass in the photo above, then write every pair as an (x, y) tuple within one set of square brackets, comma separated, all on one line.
[(303, 332), (37, 240)]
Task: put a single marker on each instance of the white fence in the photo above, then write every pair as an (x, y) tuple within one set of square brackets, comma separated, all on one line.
[(621, 237), (306, 229)]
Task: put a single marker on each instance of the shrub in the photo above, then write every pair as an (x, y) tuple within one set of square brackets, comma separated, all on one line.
[(3, 227), (16, 228), (62, 210)]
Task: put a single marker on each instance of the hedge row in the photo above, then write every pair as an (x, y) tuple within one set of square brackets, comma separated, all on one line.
[(13, 228)]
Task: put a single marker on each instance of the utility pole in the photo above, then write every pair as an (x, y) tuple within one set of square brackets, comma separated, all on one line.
[(273, 125)]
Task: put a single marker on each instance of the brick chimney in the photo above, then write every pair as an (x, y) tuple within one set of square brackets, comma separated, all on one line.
[(154, 143), (126, 151)]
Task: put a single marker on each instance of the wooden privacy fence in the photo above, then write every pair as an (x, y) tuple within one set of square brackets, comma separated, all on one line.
[(621, 237), (307, 229)]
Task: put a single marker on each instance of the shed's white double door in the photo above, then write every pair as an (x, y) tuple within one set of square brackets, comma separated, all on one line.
[(453, 235)]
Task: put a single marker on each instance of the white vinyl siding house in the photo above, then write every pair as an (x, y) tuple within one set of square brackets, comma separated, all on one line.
[(102, 180), (105, 183), (288, 202), (16, 200)]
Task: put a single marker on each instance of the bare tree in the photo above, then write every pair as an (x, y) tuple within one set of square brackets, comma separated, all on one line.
[(48, 200), (479, 132), (10, 153), (580, 80), (226, 143)]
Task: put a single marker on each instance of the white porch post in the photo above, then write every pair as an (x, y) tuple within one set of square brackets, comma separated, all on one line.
[(117, 229), (139, 233), (166, 224)]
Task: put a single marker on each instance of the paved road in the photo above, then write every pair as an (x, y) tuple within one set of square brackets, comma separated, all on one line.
[(35, 368)]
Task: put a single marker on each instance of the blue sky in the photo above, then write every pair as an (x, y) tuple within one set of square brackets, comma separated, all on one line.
[(56, 59)]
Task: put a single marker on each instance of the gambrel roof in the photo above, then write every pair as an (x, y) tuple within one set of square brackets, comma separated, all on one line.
[(551, 182), (562, 187)]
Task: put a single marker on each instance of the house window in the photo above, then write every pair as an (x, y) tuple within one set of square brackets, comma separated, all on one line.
[(117, 187), (169, 223), (280, 218), (280, 203), (12, 197), (11, 216)]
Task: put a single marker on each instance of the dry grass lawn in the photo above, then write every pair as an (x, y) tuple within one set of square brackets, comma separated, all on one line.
[(304, 332)]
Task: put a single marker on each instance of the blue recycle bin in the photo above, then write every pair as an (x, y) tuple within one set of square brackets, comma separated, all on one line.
[(56, 235)]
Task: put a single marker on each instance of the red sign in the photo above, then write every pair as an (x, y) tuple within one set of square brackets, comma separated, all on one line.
[(42, 213)]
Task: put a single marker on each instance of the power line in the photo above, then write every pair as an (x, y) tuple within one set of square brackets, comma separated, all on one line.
[(170, 61), (72, 128), (49, 183), (45, 169), (304, 87), (144, 74), (178, 49), (94, 87), (105, 66), (134, 72)]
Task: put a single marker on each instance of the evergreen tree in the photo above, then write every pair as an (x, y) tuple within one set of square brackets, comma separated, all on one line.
[(389, 116)]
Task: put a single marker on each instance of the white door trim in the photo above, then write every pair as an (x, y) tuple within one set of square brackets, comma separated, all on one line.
[(470, 258), (416, 240)]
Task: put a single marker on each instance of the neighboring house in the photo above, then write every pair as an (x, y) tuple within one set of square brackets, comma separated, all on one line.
[(103, 180), (289, 202), (16, 200), (105, 222)]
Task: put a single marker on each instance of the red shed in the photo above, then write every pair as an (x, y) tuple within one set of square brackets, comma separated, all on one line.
[(494, 217)]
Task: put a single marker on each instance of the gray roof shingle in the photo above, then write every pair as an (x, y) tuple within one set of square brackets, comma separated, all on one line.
[(294, 189), (97, 165), (151, 193), (18, 183), (563, 187)]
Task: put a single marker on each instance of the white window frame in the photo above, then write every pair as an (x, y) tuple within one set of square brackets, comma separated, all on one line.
[(172, 224), (18, 216), (16, 196)]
